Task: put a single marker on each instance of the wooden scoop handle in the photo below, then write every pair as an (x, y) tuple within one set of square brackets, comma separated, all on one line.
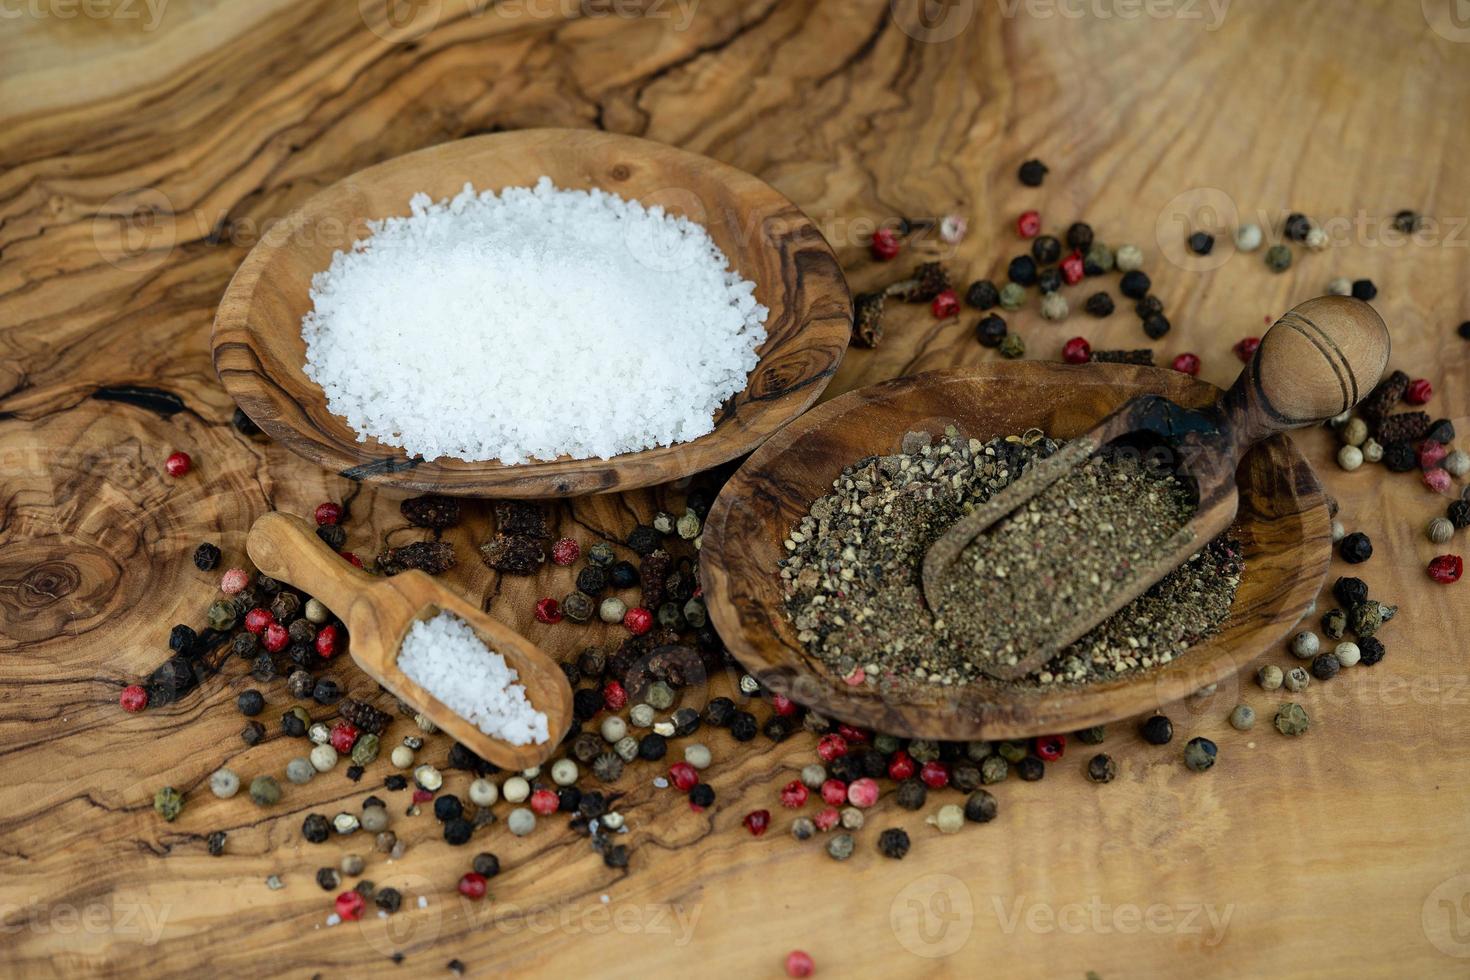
[(1316, 362), (286, 548)]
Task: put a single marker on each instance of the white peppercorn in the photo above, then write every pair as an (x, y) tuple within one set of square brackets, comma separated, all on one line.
[(664, 728), (697, 755), (428, 778), (515, 789), (300, 770), (1126, 258), (224, 783), (345, 823), (483, 792), (1339, 531), (316, 612), (323, 757), (949, 819), (1304, 645), (1440, 530), (1340, 286), (1456, 463), (521, 821), (1347, 653), (401, 756), (1248, 238), (612, 820), (319, 733), (1269, 677), (374, 819), (532, 772), (564, 772), (614, 728), (612, 610), (1350, 458), (749, 685), (626, 748), (1316, 239), (1243, 718), (640, 716), (1296, 679), (1054, 306), (352, 865), (1372, 451), (813, 775), (1353, 432), (852, 818)]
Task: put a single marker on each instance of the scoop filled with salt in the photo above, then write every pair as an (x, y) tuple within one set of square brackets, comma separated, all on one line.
[(490, 688)]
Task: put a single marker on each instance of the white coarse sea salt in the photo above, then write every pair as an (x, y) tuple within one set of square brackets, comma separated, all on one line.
[(446, 658), (531, 324)]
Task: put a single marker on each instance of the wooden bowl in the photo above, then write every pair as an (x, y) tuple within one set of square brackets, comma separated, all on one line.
[(1283, 525), (259, 353)]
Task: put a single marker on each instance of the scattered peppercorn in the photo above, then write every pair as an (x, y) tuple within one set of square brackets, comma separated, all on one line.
[(990, 331), (1199, 754), (1356, 548), (1099, 304), (893, 843), (1364, 289), (1157, 730), (1135, 284), (1278, 258), (1102, 768), (1022, 270), (982, 294), (1032, 173)]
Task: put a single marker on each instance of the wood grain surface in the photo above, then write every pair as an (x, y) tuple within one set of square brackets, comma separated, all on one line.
[(141, 157)]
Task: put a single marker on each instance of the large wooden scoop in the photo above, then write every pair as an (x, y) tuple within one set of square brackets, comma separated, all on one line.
[(1316, 362), (378, 613)]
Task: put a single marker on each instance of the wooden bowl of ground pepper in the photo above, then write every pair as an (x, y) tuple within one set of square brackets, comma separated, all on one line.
[(260, 353), (1282, 533)]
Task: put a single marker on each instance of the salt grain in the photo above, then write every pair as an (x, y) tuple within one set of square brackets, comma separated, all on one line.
[(537, 323), (445, 657)]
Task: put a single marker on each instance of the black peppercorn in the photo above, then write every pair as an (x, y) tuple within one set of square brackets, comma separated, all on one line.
[(315, 828), (1356, 548), (1046, 250), (293, 726), (458, 831), (592, 805), (1032, 173), (1201, 243), (245, 645), (573, 675), (1371, 650), (244, 424), (623, 575), (390, 900), (487, 864), (1458, 513), (1350, 591), (1399, 457), (981, 806), (652, 747), (703, 794), (326, 691), (206, 557), (965, 776), (269, 586), (301, 630), (1135, 284), (253, 733), (591, 580), (1325, 666), (686, 722), (1156, 326), (893, 843), (1441, 431), (845, 768), (567, 799), (1406, 221), (1334, 623), (1022, 270), (215, 843), (335, 535), (1297, 226), (1049, 280), (586, 703), (327, 879), (181, 639), (1464, 330), (912, 794), (990, 331), (592, 662), (1079, 236), (1031, 769), (448, 807), (719, 712), (1157, 730), (982, 294), (1091, 736), (1148, 306), (263, 668), (644, 540), (742, 726), (1101, 768), (395, 782), (1364, 289), (1099, 305), (250, 703)]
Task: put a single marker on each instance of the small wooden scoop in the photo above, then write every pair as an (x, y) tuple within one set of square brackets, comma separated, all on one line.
[(378, 613), (1316, 362)]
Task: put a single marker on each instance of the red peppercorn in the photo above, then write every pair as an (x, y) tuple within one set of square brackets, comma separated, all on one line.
[(935, 774), (1073, 269), (793, 795), (1049, 748), (756, 821), (422, 796), (1437, 480), (548, 610), (1418, 392), (831, 747), (328, 513), (275, 638), (885, 244), (544, 802), (134, 698), (798, 964), (854, 736), (855, 678), (827, 819), (1028, 225), (473, 885), (1446, 569), (234, 581), (258, 619), (862, 792), (350, 906), (684, 776), (565, 552), (352, 559), (1077, 351), (946, 304), (784, 706), (343, 736), (326, 641), (834, 791), (638, 620), (901, 766), (1246, 349), (1431, 453), (614, 697), (178, 464), (1187, 364)]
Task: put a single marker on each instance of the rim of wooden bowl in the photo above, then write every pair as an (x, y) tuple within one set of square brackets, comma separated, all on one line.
[(259, 354), (1283, 525)]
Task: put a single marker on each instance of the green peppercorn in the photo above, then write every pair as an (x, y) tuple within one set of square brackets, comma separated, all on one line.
[(169, 803), (265, 791), (1243, 718), (1013, 346), (1334, 623), (1199, 754), (1101, 768), (1365, 618), (1012, 296), (840, 847), (1091, 736), (221, 615), (366, 749), (994, 769), (1278, 258), (1291, 719)]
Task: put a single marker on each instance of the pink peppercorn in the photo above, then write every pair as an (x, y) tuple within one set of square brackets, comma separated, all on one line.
[(351, 558), (472, 884), (233, 582), (1437, 480), (856, 677), (827, 819), (831, 747), (901, 766), (1446, 568), (684, 776), (256, 620), (854, 736), (834, 791), (134, 698), (1419, 392), (548, 610), (756, 821), (1028, 225), (1073, 269), (784, 706), (275, 638), (946, 304), (565, 552), (885, 244), (350, 905), (422, 796), (1049, 748), (327, 639), (1431, 453), (1187, 364), (793, 795), (343, 736), (1077, 351), (1246, 349), (328, 513), (638, 620), (798, 964), (178, 464), (935, 774), (862, 792), (544, 802), (614, 697)]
